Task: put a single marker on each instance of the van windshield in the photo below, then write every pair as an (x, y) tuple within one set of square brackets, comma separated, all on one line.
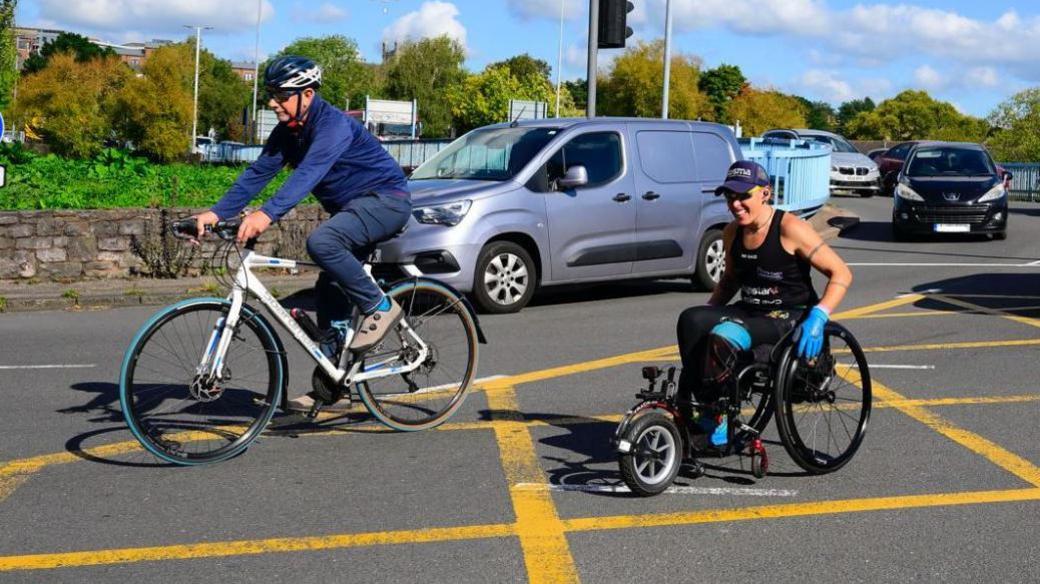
[(491, 154)]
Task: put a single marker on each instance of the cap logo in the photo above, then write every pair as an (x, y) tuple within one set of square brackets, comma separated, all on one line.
[(739, 173)]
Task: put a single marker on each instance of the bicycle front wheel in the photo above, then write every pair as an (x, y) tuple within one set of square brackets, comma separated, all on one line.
[(823, 407), (172, 408), (430, 394)]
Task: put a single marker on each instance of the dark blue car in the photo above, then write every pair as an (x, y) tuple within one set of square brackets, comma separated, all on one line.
[(949, 187)]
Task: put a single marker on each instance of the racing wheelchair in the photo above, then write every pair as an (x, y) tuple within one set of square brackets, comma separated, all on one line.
[(822, 407)]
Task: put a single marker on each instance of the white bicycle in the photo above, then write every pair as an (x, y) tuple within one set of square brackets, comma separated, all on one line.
[(203, 377)]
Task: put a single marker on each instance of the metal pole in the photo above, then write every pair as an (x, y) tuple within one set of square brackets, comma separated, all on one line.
[(559, 64), (195, 107), (256, 72), (667, 56), (593, 48)]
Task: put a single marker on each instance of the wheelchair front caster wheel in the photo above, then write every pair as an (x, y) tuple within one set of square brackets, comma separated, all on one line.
[(652, 463), (759, 460)]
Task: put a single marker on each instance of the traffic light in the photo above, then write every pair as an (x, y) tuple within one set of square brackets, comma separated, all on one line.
[(612, 28)]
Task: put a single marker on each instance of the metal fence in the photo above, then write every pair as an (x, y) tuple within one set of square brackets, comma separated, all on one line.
[(408, 153), (1025, 180), (800, 170)]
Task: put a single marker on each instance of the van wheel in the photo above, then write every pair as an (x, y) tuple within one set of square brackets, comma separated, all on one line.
[(711, 260), (505, 278)]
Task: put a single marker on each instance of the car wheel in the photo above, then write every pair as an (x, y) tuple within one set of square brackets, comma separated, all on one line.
[(1000, 235), (711, 260), (866, 194), (505, 278), (899, 234)]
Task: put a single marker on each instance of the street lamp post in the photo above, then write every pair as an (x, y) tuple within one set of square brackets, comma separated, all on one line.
[(195, 107), (667, 56), (559, 64), (256, 70)]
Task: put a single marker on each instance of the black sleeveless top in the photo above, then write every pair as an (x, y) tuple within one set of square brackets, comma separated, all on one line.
[(769, 277)]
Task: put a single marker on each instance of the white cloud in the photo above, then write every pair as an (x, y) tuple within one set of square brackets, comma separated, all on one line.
[(826, 85), (155, 16), (928, 78), (433, 19), (327, 13), (547, 9), (983, 77), (872, 33)]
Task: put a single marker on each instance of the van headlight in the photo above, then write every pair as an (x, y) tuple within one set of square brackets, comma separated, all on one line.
[(993, 194), (908, 193), (449, 214)]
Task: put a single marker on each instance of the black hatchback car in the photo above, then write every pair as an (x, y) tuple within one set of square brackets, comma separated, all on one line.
[(949, 187)]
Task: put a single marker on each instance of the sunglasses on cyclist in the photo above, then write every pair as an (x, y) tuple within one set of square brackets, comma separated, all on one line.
[(280, 96), (732, 196)]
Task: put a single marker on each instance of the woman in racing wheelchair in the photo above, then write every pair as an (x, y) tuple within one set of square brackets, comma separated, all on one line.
[(769, 258)]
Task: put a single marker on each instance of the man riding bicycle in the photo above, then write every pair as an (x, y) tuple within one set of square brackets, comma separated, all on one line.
[(350, 174), (769, 258)]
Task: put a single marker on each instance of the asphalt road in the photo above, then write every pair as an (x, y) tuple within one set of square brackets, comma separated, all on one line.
[(946, 487)]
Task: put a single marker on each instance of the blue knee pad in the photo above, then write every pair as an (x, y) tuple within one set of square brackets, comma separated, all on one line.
[(735, 334)]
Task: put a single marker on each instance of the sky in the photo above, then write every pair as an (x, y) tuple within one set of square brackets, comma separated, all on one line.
[(972, 54)]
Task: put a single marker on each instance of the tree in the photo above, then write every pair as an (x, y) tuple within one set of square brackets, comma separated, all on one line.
[(428, 71), (721, 85), (222, 97), (634, 85), (155, 108), (67, 42), (344, 75), (819, 115), (524, 66), (1016, 123), (484, 99), (761, 110), (72, 104), (915, 115), (8, 52), (579, 92), (849, 110)]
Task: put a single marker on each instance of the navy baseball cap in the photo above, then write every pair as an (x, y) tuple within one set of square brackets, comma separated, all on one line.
[(742, 176)]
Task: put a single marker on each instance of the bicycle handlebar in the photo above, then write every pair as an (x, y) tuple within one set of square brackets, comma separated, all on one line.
[(188, 228)]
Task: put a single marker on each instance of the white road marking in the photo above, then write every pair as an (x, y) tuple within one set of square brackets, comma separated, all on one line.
[(875, 366), (10, 367), (675, 490)]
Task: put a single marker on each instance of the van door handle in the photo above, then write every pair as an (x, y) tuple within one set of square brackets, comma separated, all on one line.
[(622, 197), (708, 190), (650, 196)]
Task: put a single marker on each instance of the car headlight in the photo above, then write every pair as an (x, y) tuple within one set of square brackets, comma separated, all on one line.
[(908, 193), (449, 214), (993, 194)]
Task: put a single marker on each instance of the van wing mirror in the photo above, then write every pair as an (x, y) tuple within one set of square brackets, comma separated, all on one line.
[(576, 176)]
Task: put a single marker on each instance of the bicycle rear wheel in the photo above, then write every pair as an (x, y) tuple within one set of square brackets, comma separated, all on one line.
[(430, 394), (176, 414), (823, 408)]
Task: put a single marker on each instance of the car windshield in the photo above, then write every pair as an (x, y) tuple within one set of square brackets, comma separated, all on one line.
[(950, 161), (836, 144), (489, 154)]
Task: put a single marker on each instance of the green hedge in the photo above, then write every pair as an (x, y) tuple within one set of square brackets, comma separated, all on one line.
[(112, 180)]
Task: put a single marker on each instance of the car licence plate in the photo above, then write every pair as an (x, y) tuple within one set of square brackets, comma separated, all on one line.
[(952, 228)]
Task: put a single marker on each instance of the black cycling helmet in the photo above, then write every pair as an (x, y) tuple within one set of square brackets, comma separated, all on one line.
[(292, 73)]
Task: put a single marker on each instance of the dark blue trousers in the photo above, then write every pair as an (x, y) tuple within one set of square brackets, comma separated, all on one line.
[(342, 243)]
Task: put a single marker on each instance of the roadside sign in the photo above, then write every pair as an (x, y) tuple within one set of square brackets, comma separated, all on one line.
[(522, 109)]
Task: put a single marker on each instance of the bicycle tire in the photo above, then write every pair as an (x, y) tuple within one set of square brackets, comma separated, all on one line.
[(171, 418), (833, 396), (432, 393)]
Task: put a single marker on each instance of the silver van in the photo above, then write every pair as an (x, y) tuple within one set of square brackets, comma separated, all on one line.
[(509, 208)]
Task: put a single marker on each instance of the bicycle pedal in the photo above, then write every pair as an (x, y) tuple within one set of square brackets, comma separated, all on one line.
[(315, 409)]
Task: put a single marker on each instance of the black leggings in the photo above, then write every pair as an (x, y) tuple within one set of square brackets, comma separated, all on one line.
[(765, 327)]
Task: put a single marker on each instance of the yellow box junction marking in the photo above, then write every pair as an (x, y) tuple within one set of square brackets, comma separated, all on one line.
[(538, 526), (546, 552)]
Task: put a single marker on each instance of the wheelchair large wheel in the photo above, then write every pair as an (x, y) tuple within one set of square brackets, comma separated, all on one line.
[(823, 406), (656, 455)]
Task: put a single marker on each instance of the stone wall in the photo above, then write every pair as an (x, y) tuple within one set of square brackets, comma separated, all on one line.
[(75, 245)]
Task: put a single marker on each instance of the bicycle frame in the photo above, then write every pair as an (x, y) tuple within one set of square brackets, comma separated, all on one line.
[(246, 282)]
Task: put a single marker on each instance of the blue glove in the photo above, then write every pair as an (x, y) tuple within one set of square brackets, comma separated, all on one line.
[(810, 333)]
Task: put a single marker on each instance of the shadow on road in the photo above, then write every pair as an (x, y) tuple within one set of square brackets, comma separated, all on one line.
[(1018, 293)]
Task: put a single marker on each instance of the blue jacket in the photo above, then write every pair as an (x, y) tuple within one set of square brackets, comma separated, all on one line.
[(334, 157)]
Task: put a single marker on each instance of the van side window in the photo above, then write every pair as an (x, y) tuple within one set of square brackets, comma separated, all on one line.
[(667, 156), (714, 156), (598, 152)]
